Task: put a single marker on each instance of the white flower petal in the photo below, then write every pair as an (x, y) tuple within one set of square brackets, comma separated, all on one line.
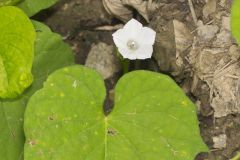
[(144, 52), (120, 38), (146, 36), (126, 53), (133, 27)]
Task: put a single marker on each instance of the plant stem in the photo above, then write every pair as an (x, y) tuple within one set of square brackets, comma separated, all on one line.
[(137, 64), (125, 65), (125, 62)]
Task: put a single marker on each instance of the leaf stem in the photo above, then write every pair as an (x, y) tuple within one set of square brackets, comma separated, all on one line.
[(137, 64), (125, 65), (124, 62)]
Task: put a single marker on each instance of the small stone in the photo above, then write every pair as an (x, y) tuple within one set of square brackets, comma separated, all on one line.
[(226, 23), (103, 59), (220, 141), (207, 32)]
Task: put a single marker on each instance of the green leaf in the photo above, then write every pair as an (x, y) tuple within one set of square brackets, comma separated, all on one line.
[(51, 53), (16, 52), (237, 157), (8, 2), (31, 7), (152, 119), (235, 21)]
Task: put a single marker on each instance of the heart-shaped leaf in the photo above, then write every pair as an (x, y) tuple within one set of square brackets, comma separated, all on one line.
[(237, 157), (8, 2), (51, 53), (16, 51), (152, 119), (31, 7), (235, 21)]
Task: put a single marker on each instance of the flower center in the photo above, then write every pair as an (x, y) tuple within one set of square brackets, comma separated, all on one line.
[(132, 45)]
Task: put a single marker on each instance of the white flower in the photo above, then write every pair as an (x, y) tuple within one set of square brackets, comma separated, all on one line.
[(134, 41)]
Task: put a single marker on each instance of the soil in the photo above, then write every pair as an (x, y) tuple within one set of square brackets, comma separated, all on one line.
[(198, 52)]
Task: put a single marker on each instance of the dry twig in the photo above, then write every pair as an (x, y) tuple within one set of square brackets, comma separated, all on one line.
[(193, 12)]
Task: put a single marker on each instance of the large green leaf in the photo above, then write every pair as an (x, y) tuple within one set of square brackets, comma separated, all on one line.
[(8, 2), (237, 157), (152, 119), (16, 52), (235, 21), (31, 7), (51, 53)]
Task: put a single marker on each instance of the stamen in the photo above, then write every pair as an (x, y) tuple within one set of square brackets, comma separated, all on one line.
[(132, 45)]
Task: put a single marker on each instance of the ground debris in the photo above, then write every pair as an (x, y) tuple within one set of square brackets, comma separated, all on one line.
[(123, 9), (215, 62), (209, 8), (220, 141), (183, 40), (118, 9)]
